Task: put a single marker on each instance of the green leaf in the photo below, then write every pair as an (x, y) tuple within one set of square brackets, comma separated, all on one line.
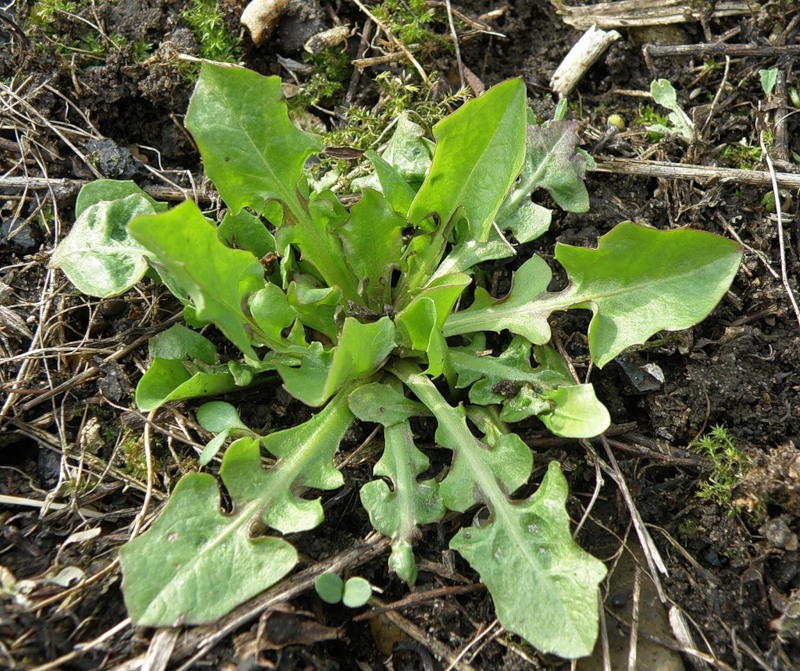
[(397, 512), (361, 350), (641, 280), (316, 307), (379, 402), (637, 282), (544, 585), (312, 231), (168, 380), (98, 256), (479, 152), (548, 391), (329, 587), (183, 365), (372, 239), (521, 311), (420, 323), (467, 253), (196, 563), (577, 413), (251, 150), (246, 231), (768, 78), (253, 154), (178, 342), (409, 151), (270, 309), (552, 162), (357, 592), (555, 606), (218, 416), (664, 94), (394, 188), (218, 279), (417, 325), (111, 189)]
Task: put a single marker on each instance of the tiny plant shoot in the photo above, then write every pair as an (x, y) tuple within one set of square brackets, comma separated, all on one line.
[(375, 313)]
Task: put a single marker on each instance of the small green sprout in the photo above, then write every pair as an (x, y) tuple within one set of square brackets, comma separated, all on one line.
[(679, 122), (768, 78), (332, 589), (741, 155)]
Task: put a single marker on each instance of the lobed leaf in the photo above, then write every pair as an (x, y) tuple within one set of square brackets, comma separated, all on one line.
[(196, 562), (218, 279), (641, 280), (397, 512), (522, 311), (553, 163), (543, 584), (554, 607), (637, 282), (548, 391)]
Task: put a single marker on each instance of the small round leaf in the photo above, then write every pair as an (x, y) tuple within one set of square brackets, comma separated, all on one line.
[(329, 586), (357, 592)]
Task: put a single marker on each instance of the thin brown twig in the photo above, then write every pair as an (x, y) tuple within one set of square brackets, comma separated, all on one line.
[(398, 43), (471, 644), (718, 49), (148, 492), (700, 173), (67, 187), (781, 241), (454, 35), (417, 598)]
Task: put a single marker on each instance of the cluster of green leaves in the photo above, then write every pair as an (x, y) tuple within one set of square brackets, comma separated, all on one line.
[(369, 314)]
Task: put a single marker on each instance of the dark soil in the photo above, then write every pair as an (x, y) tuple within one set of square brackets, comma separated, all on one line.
[(71, 438)]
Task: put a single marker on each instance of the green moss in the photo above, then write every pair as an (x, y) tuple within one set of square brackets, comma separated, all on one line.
[(740, 155), (729, 464), (363, 127), (332, 70), (45, 13), (420, 27), (217, 43)]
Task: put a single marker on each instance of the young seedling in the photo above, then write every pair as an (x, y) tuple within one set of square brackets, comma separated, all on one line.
[(332, 589), (680, 124), (375, 313)]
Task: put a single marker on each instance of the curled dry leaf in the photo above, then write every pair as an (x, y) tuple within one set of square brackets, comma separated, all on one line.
[(261, 16)]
